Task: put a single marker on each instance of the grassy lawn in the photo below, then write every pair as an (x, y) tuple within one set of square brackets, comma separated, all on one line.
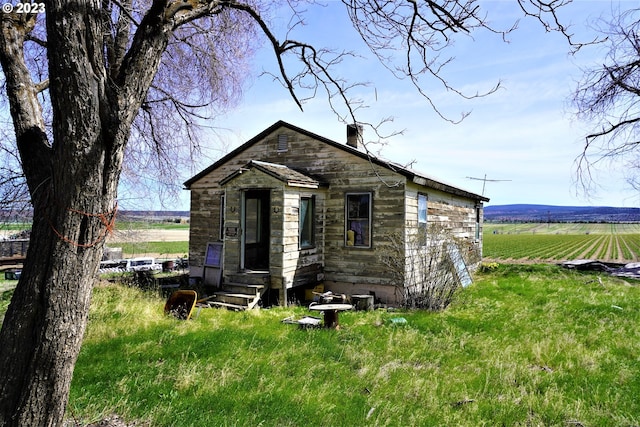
[(524, 345), (164, 249)]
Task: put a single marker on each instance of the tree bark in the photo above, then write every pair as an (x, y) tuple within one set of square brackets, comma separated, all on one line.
[(72, 204), (73, 185)]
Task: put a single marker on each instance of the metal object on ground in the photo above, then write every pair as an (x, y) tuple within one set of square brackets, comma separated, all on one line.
[(181, 303)]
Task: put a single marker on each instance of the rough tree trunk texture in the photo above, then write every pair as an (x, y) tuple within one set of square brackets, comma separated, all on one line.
[(73, 195), (73, 185)]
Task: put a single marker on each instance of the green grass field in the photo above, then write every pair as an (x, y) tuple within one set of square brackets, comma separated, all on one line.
[(151, 225), (524, 345), (162, 249), (558, 242)]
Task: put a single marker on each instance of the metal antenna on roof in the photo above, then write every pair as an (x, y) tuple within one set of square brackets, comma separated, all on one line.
[(484, 181)]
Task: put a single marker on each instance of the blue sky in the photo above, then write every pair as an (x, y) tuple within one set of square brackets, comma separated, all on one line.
[(524, 133)]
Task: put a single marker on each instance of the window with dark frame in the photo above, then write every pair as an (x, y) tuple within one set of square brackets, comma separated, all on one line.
[(306, 222), (477, 224), (358, 220)]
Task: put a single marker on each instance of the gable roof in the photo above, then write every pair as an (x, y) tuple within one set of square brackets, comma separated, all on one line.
[(414, 176), (280, 172)]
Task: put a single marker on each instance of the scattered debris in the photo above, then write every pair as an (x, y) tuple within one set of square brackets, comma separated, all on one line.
[(328, 297), (542, 368), (629, 270), (307, 322), (110, 421), (462, 402), (181, 303), (398, 321), (370, 412), (12, 274)]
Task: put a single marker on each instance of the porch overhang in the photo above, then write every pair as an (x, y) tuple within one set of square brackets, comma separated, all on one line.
[(282, 173)]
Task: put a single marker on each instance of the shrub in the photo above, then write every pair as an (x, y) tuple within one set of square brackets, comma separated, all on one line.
[(487, 267), (422, 266)]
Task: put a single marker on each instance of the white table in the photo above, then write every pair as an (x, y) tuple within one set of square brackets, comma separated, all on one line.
[(330, 312)]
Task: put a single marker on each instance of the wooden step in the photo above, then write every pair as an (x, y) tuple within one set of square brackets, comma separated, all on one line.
[(250, 277), (243, 288), (225, 295), (248, 301), (227, 305)]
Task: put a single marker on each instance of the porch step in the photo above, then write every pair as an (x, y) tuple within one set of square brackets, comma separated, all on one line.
[(233, 300), (243, 288), (241, 291), (227, 305), (255, 277)]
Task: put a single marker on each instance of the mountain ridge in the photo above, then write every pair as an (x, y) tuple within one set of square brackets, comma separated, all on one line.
[(523, 212)]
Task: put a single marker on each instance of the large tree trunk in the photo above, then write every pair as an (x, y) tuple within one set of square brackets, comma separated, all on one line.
[(73, 185), (73, 189), (44, 325)]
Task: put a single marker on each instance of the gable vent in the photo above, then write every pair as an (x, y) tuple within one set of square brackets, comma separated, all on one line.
[(283, 143)]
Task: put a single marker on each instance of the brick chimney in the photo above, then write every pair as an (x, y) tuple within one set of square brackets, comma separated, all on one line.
[(354, 136)]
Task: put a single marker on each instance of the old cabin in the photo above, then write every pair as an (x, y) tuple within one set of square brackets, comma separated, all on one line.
[(290, 210)]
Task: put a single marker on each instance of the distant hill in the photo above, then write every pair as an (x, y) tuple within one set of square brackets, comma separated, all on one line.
[(549, 213)]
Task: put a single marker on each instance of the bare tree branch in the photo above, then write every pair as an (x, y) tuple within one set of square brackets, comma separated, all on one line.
[(609, 97)]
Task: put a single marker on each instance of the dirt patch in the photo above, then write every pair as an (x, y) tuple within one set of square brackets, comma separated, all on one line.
[(132, 236)]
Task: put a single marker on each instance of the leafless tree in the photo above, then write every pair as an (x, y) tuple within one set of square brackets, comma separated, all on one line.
[(95, 85), (608, 97)]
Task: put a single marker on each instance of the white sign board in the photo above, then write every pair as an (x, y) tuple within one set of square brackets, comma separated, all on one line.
[(459, 265)]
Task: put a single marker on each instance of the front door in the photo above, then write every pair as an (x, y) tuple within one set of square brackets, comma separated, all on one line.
[(256, 230)]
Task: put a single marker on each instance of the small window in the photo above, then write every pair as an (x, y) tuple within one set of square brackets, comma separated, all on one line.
[(283, 143), (222, 217), (477, 224), (306, 222), (422, 210), (358, 220), (422, 218)]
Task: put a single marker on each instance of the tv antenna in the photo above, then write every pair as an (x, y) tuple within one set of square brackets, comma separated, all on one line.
[(485, 180)]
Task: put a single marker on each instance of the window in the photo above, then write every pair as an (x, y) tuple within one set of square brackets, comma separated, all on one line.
[(358, 220), (253, 220), (422, 210), (477, 224), (422, 218), (306, 222), (222, 217)]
